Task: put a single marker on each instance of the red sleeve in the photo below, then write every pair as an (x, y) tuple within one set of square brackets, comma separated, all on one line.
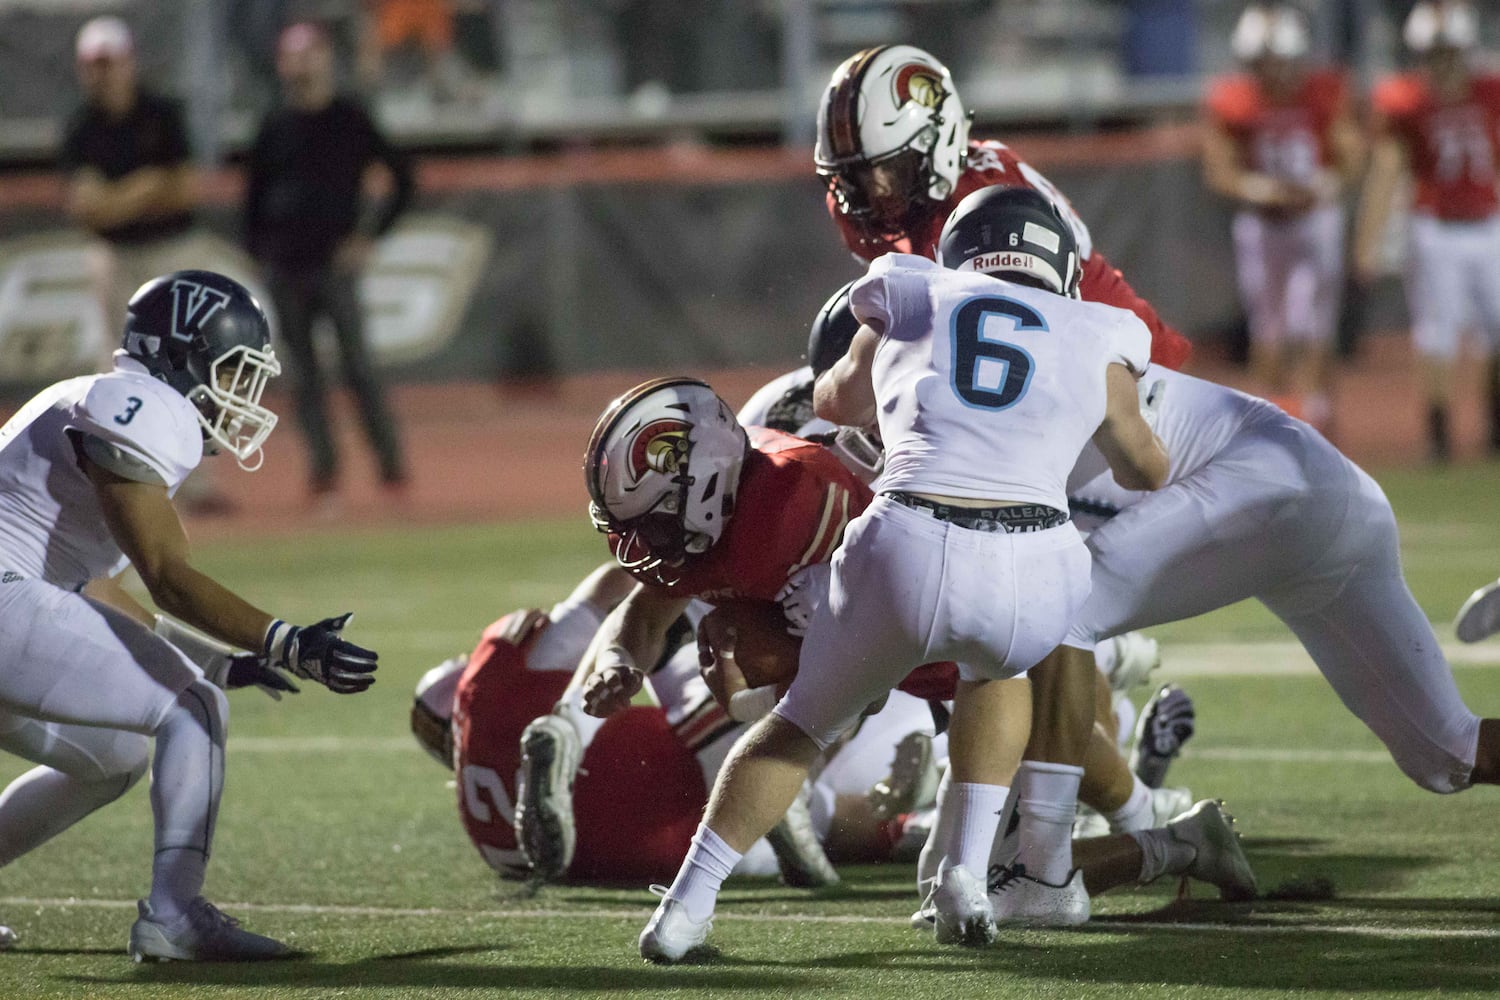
[(1231, 101), (1102, 282)]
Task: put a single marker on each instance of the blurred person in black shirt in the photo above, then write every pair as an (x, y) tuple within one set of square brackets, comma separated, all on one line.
[(130, 178), (305, 225)]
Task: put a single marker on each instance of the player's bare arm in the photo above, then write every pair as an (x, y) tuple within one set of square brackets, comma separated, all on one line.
[(107, 590), (1388, 163), (634, 633), (845, 394), (1134, 453)]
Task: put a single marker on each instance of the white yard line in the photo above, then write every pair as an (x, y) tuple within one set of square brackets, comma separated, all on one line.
[(638, 913), (1272, 659)]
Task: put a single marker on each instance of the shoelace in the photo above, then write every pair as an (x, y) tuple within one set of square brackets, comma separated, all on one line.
[(205, 913), (1002, 877)]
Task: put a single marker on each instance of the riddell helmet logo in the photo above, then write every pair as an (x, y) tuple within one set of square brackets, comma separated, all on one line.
[(661, 446), (918, 82), (1005, 260)]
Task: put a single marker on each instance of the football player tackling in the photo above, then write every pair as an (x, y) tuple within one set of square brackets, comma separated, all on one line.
[(88, 469), (929, 571)]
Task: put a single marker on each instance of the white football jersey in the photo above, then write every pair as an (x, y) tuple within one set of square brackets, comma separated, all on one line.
[(987, 389), (1195, 421), (51, 525)]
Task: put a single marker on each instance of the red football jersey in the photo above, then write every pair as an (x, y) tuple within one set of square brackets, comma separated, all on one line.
[(1289, 140), (991, 163), (795, 498), (1452, 146), (497, 698)]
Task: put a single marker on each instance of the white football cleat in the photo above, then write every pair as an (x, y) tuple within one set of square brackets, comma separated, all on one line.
[(1480, 615), (961, 912), (1136, 655), (1167, 722), (799, 854), (202, 934), (913, 782), (550, 754), (8, 938), (1218, 856), (670, 933), (1022, 901)]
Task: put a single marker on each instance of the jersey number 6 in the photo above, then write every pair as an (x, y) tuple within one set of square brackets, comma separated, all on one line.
[(970, 348)]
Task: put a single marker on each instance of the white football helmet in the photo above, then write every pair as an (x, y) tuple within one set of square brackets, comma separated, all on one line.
[(662, 467), (1277, 30), (1448, 25), (894, 105)]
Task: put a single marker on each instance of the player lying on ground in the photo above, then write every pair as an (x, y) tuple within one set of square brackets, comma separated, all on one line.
[(88, 469), (470, 713), (1282, 142)]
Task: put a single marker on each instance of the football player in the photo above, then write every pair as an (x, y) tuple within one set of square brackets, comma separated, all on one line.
[(1282, 143), (88, 469), (947, 525), (893, 148), (1441, 123), (502, 721)]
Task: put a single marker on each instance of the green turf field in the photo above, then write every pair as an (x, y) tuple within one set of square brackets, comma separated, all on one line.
[(339, 835)]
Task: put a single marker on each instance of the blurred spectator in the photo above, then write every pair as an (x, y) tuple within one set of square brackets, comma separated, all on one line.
[(303, 224), (130, 181)]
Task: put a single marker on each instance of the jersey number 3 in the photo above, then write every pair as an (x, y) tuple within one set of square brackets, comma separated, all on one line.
[(132, 405), (991, 374)]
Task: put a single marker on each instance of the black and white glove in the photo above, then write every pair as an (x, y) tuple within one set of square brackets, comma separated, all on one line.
[(252, 670), (317, 653)]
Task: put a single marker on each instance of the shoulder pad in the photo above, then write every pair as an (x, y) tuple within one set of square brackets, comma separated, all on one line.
[(145, 419)]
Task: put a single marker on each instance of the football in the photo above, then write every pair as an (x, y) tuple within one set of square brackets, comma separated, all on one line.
[(763, 650)]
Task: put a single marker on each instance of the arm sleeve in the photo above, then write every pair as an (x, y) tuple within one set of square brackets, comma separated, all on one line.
[(870, 297), (403, 184), (1130, 344), (1102, 282)]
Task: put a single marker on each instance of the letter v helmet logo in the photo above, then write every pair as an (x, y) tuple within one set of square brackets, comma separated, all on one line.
[(192, 304)]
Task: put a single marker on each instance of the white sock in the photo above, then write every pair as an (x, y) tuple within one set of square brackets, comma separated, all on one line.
[(1125, 715), (1048, 802), (571, 708), (940, 834), (708, 863), (1162, 854), (972, 833), (187, 778), (1138, 812)]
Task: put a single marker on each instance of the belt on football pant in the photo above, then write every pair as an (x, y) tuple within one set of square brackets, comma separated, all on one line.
[(1014, 519)]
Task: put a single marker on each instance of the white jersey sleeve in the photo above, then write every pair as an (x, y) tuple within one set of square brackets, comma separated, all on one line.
[(1131, 342), (884, 294), (146, 422)]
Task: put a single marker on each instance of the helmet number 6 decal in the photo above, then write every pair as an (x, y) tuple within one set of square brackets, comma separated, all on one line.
[(132, 405)]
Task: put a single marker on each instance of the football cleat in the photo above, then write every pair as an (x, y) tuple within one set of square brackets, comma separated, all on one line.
[(1136, 655), (8, 938), (1166, 723), (799, 853), (1023, 901), (961, 911), (1480, 615), (550, 754), (202, 934), (670, 933), (1218, 856), (912, 784)]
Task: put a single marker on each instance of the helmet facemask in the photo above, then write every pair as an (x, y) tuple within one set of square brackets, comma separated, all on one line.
[(228, 403)]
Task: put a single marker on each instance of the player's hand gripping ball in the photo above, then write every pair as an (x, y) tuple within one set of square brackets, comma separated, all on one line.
[(745, 645)]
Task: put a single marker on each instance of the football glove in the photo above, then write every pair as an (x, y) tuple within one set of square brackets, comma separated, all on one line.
[(317, 653), (251, 669)]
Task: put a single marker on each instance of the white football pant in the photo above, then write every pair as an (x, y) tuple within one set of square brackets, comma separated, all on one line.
[(1291, 274), (1453, 284)]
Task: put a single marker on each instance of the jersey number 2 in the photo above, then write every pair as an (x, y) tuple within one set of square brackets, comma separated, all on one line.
[(970, 349), (132, 404)]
